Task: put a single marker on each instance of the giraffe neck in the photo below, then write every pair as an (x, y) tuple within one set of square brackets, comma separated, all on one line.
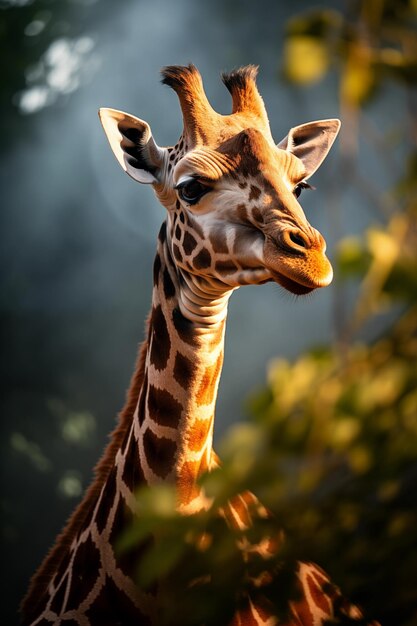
[(167, 437), (173, 421)]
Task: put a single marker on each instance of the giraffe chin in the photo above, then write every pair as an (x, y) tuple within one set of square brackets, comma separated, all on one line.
[(291, 285)]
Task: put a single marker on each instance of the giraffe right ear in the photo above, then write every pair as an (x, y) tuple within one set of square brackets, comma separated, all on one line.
[(133, 145), (311, 142)]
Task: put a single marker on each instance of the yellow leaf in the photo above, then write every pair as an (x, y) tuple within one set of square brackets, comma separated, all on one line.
[(383, 246), (357, 79), (360, 459), (306, 59), (344, 431)]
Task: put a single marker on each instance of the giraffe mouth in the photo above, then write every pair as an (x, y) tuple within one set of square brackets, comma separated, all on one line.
[(291, 285)]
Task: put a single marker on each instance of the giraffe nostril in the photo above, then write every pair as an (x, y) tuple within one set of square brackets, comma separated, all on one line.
[(295, 240), (298, 239)]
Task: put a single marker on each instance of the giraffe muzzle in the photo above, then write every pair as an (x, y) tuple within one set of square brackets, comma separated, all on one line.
[(297, 261)]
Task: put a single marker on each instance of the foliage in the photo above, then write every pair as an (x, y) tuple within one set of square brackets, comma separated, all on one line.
[(331, 447), (372, 41)]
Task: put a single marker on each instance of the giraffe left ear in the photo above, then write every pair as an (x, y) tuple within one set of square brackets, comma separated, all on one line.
[(133, 145), (311, 142)]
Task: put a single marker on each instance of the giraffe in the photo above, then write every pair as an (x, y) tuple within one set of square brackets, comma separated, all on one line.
[(233, 219)]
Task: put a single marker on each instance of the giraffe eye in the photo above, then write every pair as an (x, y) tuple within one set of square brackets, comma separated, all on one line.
[(191, 190), (298, 188)]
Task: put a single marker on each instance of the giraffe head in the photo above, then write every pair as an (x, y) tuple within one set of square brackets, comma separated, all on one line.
[(230, 191)]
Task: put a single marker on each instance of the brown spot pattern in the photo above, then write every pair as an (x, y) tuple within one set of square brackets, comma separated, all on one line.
[(257, 215), (219, 242), (183, 370), (189, 243), (161, 343), (202, 260), (264, 607), (133, 475), (59, 597), (242, 212), (169, 287), (225, 267), (84, 573), (302, 610), (163, 407), (254, 193), (122, 518), (106, 501), (197, 229), (63, 566), (163, 233), (316, 589), (159, 453), (241, 511), (127, 560), (156, 269), (184, 327), (247, 618), (142, 399), (177, 252), (113, 606)]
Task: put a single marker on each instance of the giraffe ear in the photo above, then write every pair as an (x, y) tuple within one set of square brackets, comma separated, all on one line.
[(311, 142), (133, 145)]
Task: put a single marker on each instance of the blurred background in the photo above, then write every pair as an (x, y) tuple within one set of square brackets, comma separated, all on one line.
[(329, 379)]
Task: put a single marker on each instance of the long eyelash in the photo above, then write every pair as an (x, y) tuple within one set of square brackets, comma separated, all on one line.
[(304, 185), (204, 180), (184, 182)]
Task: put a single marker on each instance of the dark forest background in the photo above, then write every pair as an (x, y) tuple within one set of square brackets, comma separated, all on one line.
[(328, 435)]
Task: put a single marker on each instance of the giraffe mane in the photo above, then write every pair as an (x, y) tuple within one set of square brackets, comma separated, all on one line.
[(44, 574)]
